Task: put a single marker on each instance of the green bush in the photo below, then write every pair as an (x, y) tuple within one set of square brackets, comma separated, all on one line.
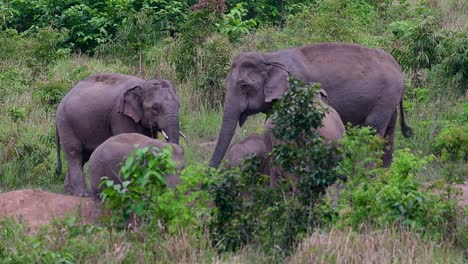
[(452, 142), (394, 197), (51, 93), (214, 57), (143, 180), (270, 12), (202, 55), (199, 26), (188, 207), (37, 47), (90, 23), (233, 24), (453, 55), (251, 212), (136, 33), (302, 151), (16, 113), (415, 44), (143, 194), (329, 20), (362, 153)]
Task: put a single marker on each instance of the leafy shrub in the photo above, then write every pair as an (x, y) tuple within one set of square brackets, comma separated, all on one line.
[(214, 60), (269, 12), (202, 55), (189, 205), (37, 47), (362, 154), (11, 45), (142, 194), (453, 54), (143, 180), (47, 46), (415, 44), (394, 197), (134, 35), (330, 20), (12, 82), (199, 26), (51, 93), (16, 113), (452, 142), (169, 15), (249, 211), (233, 24), (302, 151)]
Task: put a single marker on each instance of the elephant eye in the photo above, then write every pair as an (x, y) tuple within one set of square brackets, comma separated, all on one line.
[(155, 109), (244, 88)]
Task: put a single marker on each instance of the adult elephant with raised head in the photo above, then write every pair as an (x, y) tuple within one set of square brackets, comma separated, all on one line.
[(363, 85), (104, 105)]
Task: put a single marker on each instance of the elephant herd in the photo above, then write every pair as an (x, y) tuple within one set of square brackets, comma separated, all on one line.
[(105, 116)]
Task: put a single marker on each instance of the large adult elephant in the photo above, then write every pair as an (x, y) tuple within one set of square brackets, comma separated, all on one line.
[(364, 86), (104, 105)]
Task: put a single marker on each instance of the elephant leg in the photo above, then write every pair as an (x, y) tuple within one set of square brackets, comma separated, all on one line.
[(74, 181), (275, 173), (389, 141), (383, 123)]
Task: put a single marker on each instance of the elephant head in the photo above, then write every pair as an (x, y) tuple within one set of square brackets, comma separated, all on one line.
[(254, 82), (155, 106)]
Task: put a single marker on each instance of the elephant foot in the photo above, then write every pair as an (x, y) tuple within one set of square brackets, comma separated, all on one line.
[(78, 193)]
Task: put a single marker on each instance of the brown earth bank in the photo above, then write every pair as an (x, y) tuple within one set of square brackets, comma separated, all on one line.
[(463, 201), (36, 208)]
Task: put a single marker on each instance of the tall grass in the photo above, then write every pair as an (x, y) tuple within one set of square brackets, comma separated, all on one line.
[(370, 246), (64, 240)]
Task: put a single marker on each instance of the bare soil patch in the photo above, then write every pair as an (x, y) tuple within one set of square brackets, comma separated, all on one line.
[(36, 208), (463, 201)]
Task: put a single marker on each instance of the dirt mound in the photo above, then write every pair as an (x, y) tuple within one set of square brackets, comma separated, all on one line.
[(36, 207)]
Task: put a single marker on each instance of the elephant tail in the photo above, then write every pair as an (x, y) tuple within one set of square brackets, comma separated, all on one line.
[(406, 130), (58, 170)]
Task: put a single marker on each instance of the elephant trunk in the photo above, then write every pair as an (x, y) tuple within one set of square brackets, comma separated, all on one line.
[(172, 131), (230, 118)]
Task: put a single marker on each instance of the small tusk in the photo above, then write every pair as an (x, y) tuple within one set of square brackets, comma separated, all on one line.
[(164, 135), (182, 134)]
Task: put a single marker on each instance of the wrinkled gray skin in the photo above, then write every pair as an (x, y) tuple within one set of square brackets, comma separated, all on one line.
[(104, 105), (364, 86), (252, 144), (332, 129), (107, 159)]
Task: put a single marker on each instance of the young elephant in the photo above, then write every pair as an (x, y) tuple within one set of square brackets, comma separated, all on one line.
[(105, 105), (332, 129), (252, 144), (107, 159)]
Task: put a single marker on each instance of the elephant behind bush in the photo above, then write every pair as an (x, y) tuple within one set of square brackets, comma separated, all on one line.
[(364, 85), (108, 158)]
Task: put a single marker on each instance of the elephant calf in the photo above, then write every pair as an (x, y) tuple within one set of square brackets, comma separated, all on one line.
[(332, 129), (107, 159), (252, 144)]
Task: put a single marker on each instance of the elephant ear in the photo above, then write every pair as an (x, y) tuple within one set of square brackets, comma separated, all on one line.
[(131, 103), (276, 83)]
